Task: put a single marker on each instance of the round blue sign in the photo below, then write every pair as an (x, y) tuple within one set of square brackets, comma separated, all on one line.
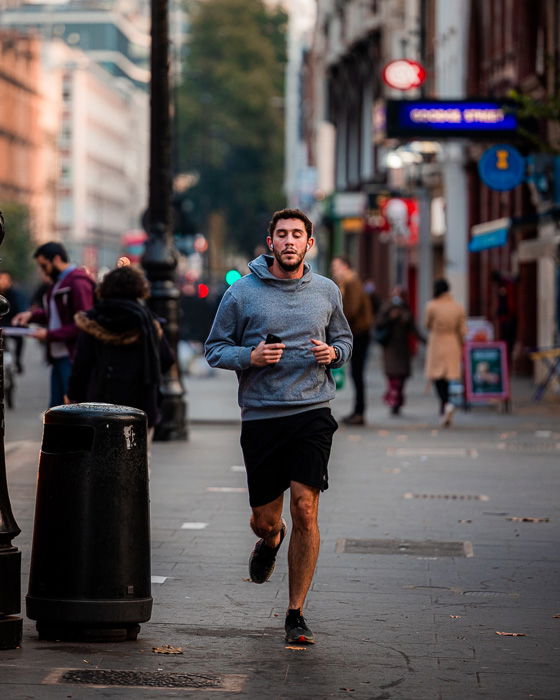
[(502, 167)]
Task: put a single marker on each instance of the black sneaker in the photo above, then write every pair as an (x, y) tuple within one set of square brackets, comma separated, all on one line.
[(263, 558), (297, 631)]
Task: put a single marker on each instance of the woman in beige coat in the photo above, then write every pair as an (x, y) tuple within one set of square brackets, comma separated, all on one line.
[(446, 323)]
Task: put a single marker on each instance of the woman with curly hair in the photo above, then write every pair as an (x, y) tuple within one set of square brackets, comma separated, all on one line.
[(121, 350)]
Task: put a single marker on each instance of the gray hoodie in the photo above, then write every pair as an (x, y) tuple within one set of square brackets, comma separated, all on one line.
[(296, 310)]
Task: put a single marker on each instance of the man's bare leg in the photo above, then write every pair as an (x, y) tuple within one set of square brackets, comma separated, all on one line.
[(266, 521), (304, 541)]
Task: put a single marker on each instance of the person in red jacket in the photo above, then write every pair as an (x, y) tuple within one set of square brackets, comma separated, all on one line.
[(72, 291)]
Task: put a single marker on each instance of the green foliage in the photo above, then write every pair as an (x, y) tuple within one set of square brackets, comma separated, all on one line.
[(16, 252), (229, 114), (544, 109)]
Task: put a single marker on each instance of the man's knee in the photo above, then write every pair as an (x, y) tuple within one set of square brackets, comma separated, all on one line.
[(304, 510), (265, 524)]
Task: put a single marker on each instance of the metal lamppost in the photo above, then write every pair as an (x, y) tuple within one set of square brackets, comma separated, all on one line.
[(10, 556), (160, 257)]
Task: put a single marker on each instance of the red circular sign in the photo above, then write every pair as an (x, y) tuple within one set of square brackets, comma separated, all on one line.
[(403, 74)]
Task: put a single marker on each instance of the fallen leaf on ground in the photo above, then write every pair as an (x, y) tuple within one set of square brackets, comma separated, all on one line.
[(167, 649), (511, 634), (557, 616), (297, 648), (456, 617), (524, 519), (348, 690), (464, 521)]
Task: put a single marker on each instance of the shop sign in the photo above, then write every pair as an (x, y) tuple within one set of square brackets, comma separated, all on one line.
[(492, 234), (353, 224), (479, 330), (426, 119), (501, 167), (403, 74), (486, 371), (349, 204), (400, 219)]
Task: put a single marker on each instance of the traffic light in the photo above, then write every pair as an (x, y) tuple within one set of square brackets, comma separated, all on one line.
[(203, 290), (232, 276)]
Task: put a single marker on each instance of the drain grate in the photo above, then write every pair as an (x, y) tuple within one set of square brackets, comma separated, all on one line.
[(529, 447), (423, 548), (145, 679), (449, 496), (491, 594)]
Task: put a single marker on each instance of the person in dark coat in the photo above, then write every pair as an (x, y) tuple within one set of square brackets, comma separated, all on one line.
[(121, 351), (398, 329), (357, 309)]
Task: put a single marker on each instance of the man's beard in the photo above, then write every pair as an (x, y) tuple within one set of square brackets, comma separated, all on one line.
[(289, 267), (54, 274)]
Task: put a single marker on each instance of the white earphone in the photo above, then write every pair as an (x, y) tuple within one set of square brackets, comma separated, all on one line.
[(307, 247)]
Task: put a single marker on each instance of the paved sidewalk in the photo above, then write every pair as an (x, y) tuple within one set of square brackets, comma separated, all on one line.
[(415, 624)]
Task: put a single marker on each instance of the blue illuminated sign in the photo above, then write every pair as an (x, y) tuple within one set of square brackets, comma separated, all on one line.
[(502, 167), (449, 119)]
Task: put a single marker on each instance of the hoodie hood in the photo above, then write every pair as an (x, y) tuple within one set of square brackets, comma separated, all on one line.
[(261, 268)]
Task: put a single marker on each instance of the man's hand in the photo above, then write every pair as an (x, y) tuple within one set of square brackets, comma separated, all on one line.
[(324, 354), (40, 334), (266, 354), (21, 319)]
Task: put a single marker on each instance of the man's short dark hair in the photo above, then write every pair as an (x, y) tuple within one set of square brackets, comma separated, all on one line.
[(290, 214), (124, 283), (50, 250)]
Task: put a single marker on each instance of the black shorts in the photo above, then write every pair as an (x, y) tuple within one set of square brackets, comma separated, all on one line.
[(280, 450)]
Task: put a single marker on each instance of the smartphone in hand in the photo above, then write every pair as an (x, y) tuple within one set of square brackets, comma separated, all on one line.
[(271, 338)]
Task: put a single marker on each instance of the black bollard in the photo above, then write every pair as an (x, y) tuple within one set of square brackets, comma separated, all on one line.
[(90, 563), (10, 557)]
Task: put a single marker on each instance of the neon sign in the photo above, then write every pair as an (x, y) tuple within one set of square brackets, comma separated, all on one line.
[(449, 118)]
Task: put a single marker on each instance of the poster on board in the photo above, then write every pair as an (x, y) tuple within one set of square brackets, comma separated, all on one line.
[(486, 371)]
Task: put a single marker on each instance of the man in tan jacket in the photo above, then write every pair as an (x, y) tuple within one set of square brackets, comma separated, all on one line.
[(357, 309)]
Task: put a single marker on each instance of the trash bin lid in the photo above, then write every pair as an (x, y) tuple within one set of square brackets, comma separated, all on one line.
[(92, 412)]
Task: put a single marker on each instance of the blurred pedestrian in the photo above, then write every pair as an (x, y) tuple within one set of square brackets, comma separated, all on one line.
[(357, 309), (375, 299), (121, 351), (18, 303), (397, 326), (506, 309), (72, 291), (446, 323), (280, 328)]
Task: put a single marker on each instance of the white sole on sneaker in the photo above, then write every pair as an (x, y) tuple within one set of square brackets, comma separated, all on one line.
[(447, 417)]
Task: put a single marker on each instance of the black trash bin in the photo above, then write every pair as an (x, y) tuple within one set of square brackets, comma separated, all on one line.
[(90, 562)]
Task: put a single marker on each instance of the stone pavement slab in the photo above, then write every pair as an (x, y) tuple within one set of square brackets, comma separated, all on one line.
[(389, 626)]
